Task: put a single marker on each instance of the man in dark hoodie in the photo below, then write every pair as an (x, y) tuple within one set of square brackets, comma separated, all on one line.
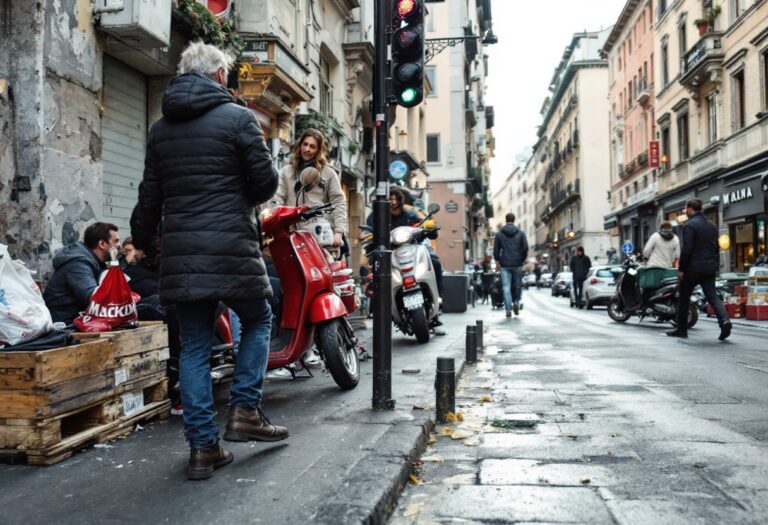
[(207, 168), (76, 272), (580, 265), (510, 249)]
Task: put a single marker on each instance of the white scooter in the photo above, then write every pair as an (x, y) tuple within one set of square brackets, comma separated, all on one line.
[(415, 299)]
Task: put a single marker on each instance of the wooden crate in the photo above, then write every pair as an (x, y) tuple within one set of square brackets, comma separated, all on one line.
[(150, 335), (48, 441), (43, 368), (138, 366)]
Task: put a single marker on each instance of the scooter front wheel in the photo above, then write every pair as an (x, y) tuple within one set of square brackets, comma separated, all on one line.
[(340, 356), (616, 311)]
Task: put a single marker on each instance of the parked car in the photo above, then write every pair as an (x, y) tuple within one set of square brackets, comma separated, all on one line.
[(599, 286), (529, 280), (546, 280), (562, 284)]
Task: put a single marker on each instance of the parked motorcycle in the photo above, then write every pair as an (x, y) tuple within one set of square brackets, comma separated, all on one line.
[(659, 303), (318, 295), (415, 298)]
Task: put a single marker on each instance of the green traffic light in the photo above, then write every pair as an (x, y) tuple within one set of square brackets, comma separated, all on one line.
[(408, 95)]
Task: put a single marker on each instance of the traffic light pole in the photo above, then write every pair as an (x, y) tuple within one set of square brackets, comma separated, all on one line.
[(382, 269)]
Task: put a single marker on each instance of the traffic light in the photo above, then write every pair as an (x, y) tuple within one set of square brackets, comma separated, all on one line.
[(408, 52)]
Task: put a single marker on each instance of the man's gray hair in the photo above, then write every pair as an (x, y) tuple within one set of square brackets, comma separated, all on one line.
[(204, 59)]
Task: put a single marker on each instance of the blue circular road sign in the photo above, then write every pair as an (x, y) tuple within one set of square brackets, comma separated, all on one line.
[(627, 247), (398, 169)]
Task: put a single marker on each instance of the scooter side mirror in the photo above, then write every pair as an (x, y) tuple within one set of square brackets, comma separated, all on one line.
[(433, 208)]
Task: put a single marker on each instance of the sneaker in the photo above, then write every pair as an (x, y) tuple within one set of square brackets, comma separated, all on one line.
[(725, 330), (279, 373), (312, 359), (509, 314), (516, 308)]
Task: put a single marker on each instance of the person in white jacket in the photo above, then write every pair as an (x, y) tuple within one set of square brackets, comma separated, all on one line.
[(663, 248)]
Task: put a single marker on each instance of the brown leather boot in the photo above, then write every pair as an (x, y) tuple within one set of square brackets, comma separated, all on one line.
[(203, 461), (250, 424)]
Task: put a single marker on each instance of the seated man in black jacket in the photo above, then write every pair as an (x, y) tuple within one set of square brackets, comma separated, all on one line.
[(76, 272)]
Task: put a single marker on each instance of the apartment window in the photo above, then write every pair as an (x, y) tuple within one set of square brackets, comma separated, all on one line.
[(764, 58), (631, 94), (662, 7), (712, 116), (629, 44), (433, 148), (739, 113), (429, 72), (326, 88), (681, 37), (682, 136), (665, 64), (737, 8)]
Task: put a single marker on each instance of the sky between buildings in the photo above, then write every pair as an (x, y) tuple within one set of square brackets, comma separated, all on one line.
[(532, 38)]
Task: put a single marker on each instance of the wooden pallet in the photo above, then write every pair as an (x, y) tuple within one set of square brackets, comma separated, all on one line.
[(49, 441), (150, 335)]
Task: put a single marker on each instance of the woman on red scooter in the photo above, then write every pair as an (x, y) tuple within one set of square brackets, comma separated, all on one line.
[(311, 151)]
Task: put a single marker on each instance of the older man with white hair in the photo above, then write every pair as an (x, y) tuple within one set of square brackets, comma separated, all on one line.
[(207, 167)]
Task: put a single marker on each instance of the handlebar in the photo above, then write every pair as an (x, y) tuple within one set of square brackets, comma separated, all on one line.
[(315, 211)]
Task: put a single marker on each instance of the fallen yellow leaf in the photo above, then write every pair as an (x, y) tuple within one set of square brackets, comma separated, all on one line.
[(432, 439), (459, 416), (447, 432), (471, 442), (450, 417), (415, 480), (485, 398), (434, 458)]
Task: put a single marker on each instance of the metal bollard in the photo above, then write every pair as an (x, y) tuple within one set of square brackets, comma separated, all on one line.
[(445, 388), (471, 354), (480, 344)]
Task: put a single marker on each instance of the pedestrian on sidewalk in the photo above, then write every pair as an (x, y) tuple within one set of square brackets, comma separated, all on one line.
[(699, 261), (580, 265), (207, 167), (510, 249)]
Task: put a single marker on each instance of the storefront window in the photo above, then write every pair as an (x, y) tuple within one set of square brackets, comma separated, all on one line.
[(742, 238)]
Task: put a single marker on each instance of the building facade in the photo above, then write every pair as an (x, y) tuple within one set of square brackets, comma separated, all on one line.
[(712, 117), (629, 50), (79, 92), (574, 144), (456, 140)]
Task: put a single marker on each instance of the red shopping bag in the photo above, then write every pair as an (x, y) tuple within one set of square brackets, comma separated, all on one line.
[(112, 306)]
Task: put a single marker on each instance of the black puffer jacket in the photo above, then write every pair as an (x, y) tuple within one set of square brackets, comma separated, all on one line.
[(75, 277), (207, 167), (510, 247)]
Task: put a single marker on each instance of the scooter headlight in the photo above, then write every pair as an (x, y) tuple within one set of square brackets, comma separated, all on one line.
[(266, 213), (402, 235)]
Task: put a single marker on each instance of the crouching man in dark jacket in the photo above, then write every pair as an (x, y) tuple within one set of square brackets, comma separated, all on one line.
[(76, 273), (510, 249), (207, 167)]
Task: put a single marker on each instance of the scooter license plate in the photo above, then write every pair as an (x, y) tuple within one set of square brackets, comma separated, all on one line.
[(413, 301)]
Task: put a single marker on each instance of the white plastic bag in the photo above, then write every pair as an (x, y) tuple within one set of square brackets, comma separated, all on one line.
[(23, 314)]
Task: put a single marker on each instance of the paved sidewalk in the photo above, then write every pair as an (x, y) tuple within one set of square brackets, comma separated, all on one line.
[(549, 434), (343, 463)]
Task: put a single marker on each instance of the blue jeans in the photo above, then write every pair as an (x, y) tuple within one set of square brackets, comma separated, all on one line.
[(511, 286), (578, 291), (196, 322)]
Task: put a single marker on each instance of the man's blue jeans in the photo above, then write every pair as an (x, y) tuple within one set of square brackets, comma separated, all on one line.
[(511, 286), (196, 321)]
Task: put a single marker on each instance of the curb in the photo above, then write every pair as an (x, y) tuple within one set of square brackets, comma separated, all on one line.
[(370, 491), (738, 322)]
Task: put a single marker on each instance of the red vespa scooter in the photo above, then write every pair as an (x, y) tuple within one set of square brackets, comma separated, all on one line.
[(317, 297)]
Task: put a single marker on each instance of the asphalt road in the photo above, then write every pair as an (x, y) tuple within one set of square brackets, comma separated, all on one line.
[(627, 425)]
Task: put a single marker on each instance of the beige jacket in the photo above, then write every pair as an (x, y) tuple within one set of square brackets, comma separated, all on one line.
[(327, 191), (661, 253)]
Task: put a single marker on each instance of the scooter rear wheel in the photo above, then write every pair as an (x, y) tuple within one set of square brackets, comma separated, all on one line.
[(616, 311), (420, 325), (340, 356)]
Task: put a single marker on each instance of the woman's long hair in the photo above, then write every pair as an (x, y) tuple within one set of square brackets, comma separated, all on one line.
[(321, 158)]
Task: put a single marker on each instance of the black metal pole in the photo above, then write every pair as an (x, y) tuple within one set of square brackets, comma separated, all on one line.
[(471, 345), (445, 388), (480, 344), (382, 270)]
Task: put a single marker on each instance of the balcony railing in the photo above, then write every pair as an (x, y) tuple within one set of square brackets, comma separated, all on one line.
[(697, 62), (643, 91), (559, 199)]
